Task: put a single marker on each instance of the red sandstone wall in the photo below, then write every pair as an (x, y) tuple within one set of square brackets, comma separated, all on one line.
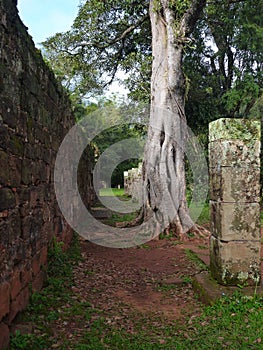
[(35, 115)]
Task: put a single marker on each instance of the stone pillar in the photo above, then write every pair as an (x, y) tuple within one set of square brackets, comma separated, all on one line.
[(234, 161)]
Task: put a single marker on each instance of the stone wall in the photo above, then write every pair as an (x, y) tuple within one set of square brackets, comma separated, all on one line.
[(234, 157), (35, 114), (133, 183)]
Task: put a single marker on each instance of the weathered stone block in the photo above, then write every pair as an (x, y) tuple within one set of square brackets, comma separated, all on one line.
[(18, 252), (46, 155), (36, 264), (4, 336), (4, 237), (43, 256), (15, 284), (4, 160), (235, 184), (47, 231), (57, 225), (30, 130), (18, 304), (7, 199), (36, 196), (26, 177), (16, 145), (26, 276), (15, 168), (23, 194), (25, 210), (31, 226), (5, 299), (13, 225), (235, 262), (234, 129), (235, 221), (41, 135), (4, 137), (234, 153), (30, 151), (9, 112), (38, 281), (21, 124)]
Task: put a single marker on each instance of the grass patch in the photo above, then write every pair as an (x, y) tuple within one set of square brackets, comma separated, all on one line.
[(192, 256), (123, 217), (204, 217), (168, 236), (106, 192), (232, 323), (143, 246), (120, 217)]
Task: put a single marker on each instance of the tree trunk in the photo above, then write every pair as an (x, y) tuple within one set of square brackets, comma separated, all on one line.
[(164, 171)]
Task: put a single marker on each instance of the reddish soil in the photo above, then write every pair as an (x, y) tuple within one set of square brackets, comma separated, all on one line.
[(153, 278), (124, 285)]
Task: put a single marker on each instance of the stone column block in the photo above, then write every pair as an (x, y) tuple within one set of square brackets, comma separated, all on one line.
[(244, 130), (235, 184), (234, 160), (235, 221), (234, 153), (235, 262)]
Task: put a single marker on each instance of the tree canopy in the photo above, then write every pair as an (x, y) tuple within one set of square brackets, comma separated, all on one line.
[(222, 64)]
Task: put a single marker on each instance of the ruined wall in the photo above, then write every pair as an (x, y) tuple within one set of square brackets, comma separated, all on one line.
[(35, 114), (234, 157), (133, 183)]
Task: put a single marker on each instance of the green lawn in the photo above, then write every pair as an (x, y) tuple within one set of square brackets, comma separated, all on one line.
[(107, 192)]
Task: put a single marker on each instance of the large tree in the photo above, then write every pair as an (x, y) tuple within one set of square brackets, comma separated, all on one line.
[(164, 172)]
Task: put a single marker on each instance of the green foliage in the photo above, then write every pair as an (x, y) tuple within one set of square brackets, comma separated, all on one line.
[(204, 217), (28, 341), (245, 92), (195, 259), (106, 36), (179, 7), (224, 65), (107, 123)]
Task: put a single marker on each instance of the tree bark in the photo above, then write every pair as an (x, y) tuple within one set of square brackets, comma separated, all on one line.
[(163, 170)]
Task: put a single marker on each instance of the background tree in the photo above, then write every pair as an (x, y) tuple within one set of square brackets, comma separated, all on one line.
[(106, 36), (110, 115), (224, 63)]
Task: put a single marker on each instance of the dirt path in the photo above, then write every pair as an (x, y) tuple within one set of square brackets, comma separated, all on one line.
[(136, 290), (152, 278)]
